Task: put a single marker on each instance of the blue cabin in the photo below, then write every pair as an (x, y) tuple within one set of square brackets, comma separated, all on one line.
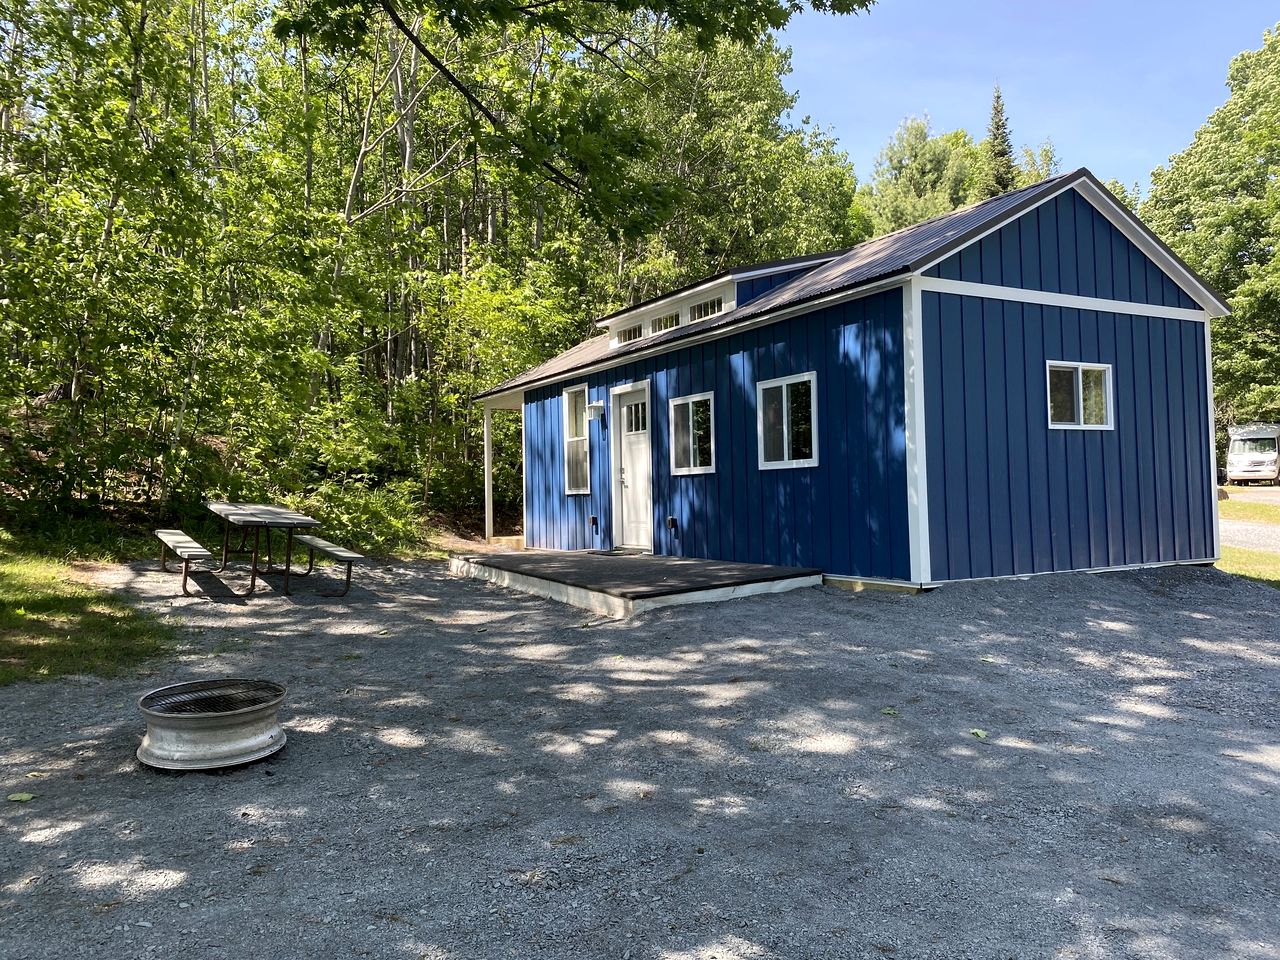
[(1019, 387)]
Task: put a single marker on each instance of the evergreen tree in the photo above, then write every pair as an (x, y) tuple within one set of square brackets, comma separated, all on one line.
[(999, 172)]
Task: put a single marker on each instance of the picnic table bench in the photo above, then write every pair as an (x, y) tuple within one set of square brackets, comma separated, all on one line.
[(254, 518), (183, 547)]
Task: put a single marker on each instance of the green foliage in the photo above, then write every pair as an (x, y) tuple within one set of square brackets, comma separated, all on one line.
[(239, 268), (997, 171), (1217, 204)]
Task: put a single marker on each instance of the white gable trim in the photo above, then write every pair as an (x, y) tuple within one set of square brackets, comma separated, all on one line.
[(1120, 217), (989, 291)]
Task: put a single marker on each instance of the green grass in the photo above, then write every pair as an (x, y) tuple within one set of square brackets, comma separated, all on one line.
[(53, 623), (1260, 565), (1249, 510)]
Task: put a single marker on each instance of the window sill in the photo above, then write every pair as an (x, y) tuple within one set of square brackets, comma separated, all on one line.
[(1081, 426), (691, 471), (788, 464)]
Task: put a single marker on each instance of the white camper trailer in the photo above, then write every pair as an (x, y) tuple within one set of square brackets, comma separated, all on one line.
[(1254, 453)]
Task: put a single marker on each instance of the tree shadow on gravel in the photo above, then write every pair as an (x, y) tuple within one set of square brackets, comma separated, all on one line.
[(1074, 766)]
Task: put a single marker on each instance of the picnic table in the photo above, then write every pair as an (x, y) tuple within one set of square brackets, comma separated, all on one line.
[(256, 517)]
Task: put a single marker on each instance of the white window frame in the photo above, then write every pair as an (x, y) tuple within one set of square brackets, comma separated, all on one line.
[(640, 335), (675, 315), (705, 303), (761, 386), (1109, 388), (584, 439), (671, 429)]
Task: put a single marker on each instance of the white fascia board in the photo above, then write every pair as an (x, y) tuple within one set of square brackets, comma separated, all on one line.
[(988, 291)]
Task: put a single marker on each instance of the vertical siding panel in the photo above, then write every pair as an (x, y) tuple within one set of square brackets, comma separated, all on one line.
[(1102, 256), (824, 344), (997, 435), (1074, 464), (1059, 454), (976, 373), (1096, 443), (1011, 254), (1029, 246), (935, 430), (1017, 406), (1192, 403), (953, 440), (1068, 276), (896, 402), (1144, 440), (739, 456), (949, 269), (1049, 265), (971, 263), (989, 254), (1161, 441), (1086, 267), (755, 486), (1175, 381), (1120, 267), (1112, 448), (1209, 481), (839, 418), (1129, 423), (860, 459), (1038, 433)]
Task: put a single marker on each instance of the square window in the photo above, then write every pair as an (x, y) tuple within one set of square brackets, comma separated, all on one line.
[(786, 418), (1080, 396)]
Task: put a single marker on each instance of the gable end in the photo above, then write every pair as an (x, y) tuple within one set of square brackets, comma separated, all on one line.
[(1065, 245)]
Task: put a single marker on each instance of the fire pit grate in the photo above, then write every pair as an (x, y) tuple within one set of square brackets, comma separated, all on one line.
[(211, 696), (206, 724)]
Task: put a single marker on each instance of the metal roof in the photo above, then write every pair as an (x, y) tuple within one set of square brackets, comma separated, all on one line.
[(899, 253)]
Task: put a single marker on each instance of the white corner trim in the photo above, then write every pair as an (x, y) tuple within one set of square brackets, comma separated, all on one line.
[(762, 385), (988, 291), (917, 464), (1213, 437), (709, 396)]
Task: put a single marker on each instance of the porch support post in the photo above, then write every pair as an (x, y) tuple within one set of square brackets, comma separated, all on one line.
[(488, 473)]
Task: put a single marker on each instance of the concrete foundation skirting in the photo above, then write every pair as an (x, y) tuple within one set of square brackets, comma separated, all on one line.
[(609, 605)]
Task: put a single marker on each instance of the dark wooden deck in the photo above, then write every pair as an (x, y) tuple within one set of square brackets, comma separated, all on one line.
[(635, 582)]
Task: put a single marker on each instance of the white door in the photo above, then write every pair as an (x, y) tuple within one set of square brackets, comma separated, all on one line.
[(635, 500)]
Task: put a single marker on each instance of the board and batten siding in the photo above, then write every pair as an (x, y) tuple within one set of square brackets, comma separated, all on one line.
[(748, 290), (1008, 495), (846, 516), (1064, 246)]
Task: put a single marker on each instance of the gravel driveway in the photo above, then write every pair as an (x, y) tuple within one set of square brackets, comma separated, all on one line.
[(472, 773), (1250, 534)]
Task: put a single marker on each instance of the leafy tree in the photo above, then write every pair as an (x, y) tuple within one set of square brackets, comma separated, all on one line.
[(1217, 204), (231, 266), (998, 171), (919, 175)]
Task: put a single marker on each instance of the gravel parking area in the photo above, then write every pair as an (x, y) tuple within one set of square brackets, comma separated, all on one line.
[(1250, 534), (1069, 767)]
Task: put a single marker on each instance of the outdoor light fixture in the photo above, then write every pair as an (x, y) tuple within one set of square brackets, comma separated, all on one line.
[(595, 411)]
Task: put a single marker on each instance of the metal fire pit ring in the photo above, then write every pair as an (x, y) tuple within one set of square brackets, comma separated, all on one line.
[(206, 724)]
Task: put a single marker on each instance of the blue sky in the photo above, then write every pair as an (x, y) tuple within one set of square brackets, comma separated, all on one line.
[(1118, 86)]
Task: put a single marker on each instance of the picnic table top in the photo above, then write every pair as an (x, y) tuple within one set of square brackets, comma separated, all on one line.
[(260, 515)]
